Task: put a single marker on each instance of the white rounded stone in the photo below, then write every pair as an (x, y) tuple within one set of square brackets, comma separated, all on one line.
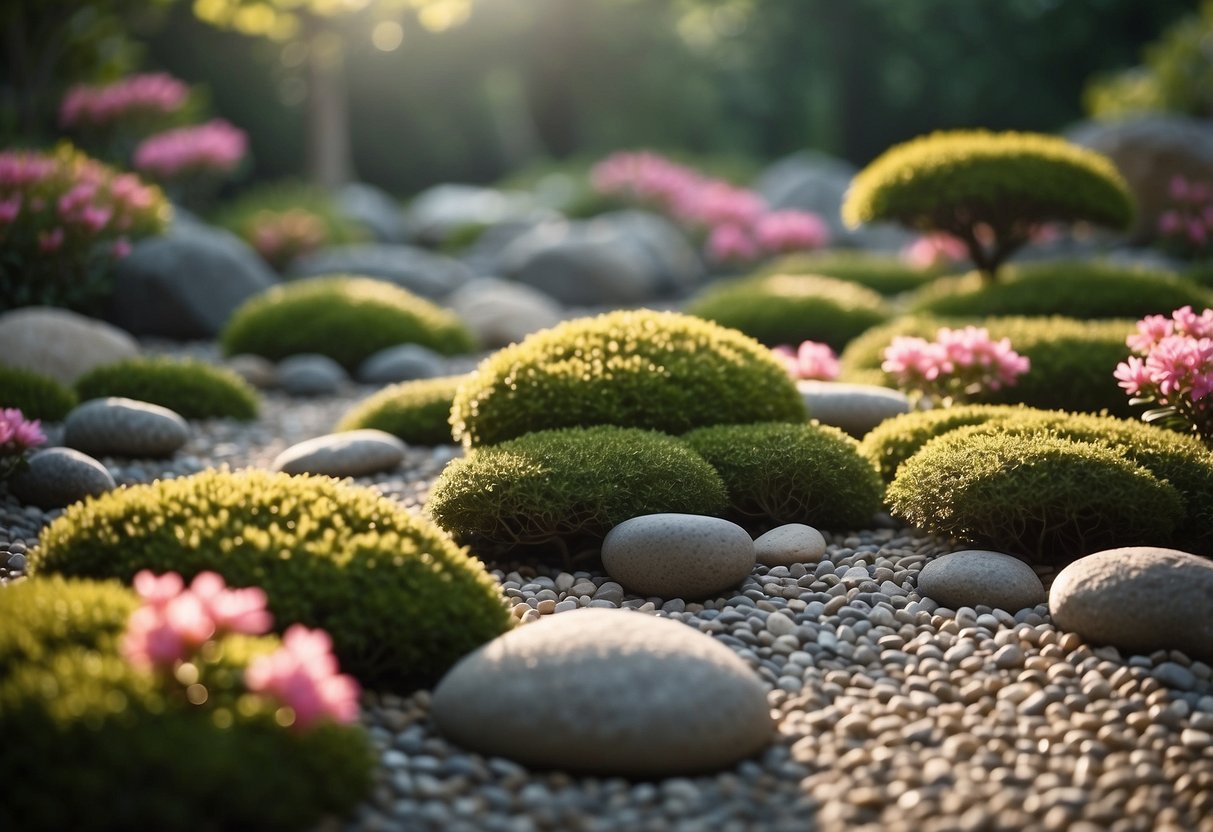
[(59, 343), (789, 544), (973, 577), (854, 408), (606, 692), (355, 453), (687, 556)]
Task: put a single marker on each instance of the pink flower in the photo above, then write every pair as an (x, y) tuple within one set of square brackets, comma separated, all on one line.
[(934, 250), (812, 360), (1133, 375), (158, 591), (783, 231), (959, 363), (50, 241), (152, 93), (303, 676), (214, 147), (232, 610), (1178, 188), (731, 244), (151, 642), (1170, 223), (10, 208)]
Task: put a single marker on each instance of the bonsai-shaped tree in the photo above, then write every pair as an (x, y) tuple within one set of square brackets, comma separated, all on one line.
[(990, 190)]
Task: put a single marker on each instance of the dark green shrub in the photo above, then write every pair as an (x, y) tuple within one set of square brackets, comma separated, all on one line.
[(883, 273), (790, 308), (781, 473), (1072, 361), (419, 412), (192, 388), (89, 725), (401, 602), (35, 395), (1042, 496), (1076, 289), (346, 318), (642, 369), (570, 487), (1005, 184)]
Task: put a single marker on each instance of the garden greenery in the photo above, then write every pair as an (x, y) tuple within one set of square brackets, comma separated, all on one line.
[(194, 389), (418, 412), (35, 395)]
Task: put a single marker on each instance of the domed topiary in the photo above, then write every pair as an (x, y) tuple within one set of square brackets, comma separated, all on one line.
[(35, 395), (790, 308), (1075, 288), (346, 318), (570, 487), (1049, 498), (419, 412), (642, 369), (883, 273), (89, 725), (400, 601), (194, 389), (781, 473), (975, 183)]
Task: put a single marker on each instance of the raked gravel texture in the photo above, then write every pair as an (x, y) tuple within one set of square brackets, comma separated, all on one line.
[(892, 713)]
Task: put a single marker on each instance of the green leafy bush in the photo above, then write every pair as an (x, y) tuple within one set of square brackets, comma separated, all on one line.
[(400, 601), (570, 487), (1076, 289), (1072, 361), (1049, 498), (643, 369), (781, 473), (346, 318), (883, 273), (419, 412), (790, 308), (965, 183), (89, 725), (35, 395), (192, 388)]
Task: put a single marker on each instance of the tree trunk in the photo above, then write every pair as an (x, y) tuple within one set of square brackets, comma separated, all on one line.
[(329, 161)]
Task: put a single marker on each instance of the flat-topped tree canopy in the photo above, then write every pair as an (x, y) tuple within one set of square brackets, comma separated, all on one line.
[(990, 190)]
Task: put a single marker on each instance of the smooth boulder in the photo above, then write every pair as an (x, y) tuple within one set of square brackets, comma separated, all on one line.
[(974, 576), (686, 556), (59, 343), (58, 477), (789, 544), (502, 312), (606, 692), (854, 408), (355, 453), (310, 374), (403, 362), (419, 271), (1139, 599), (124, 427)]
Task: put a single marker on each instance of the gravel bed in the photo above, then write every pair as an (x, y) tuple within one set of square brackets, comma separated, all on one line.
[(892, 713)]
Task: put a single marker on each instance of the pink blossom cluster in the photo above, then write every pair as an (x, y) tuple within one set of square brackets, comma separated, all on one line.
[(740, 227), (149, 94), (811, 360), (280, 237), (215, 147), (17, 435), (1172, 367), (958, 364), (303, 675), (1187, 225), (933, 251)]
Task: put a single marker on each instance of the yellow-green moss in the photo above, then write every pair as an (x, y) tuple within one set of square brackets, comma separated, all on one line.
[(419, 412), (35, 395), (194, 389)]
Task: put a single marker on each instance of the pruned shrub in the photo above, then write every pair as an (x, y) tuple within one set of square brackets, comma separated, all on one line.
[(419, 412), (192, 388), (783, 473), (883, 273), (35, 395), (656, 370), (347, 318), (569, 487)]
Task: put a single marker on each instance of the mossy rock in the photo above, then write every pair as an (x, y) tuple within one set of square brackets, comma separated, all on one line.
[(883, 273), (418, 412), (35, 395), (1072, 361), (1087, 290), (655, 370), (400, 601), (1040, 496), (191, 388), (782, 473), (109, 725), (347, 318), (567, 488), (790, 308)]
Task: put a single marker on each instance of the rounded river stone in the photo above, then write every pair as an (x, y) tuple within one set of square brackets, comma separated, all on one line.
[(686, 556), (126, 428), (57, 477), (973, 576), (355, 453), (789, 544)]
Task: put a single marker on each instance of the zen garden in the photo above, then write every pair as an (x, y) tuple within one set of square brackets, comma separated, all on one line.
[(606, 415)]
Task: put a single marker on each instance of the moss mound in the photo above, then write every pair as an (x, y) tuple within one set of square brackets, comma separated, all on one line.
[(1042, 496), (419, 412), (109, 750), (192, 388), (790, 308), (1072, 361), (883, 273), (643, 369), (570, 487), (401, 602), (35, 395), (346, 318), (782, 473)]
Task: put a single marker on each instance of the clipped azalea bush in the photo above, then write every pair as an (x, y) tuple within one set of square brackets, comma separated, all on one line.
[(642, 369), (783, 473), (347, 318), (90, 725), (35, 395), (569, 487), (419, 412), (400, 600), (1038, 495), (192, 388), (790, 308), (887, 274)]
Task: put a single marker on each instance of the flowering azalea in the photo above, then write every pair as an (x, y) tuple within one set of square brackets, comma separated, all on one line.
[(17, 436), (1186, 226), (812, 360), (303, 676), (1172, 368), (215, 147), (134, 96), (958, 364), (934, 250)]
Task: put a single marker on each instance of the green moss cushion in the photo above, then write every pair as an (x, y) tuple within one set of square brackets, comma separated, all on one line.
[(570, 487), (883, 273), (346, 318), (401, 602), (419, 412), (35, 395), (655, 370), (194, 389)]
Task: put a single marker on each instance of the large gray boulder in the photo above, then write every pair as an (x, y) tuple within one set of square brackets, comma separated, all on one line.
[(973, 576), (57, 477), (59, 343), (686, 556), (373, 209), (125, 428), (501, 312), (437, 214), (854, 408), (421, 272)]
